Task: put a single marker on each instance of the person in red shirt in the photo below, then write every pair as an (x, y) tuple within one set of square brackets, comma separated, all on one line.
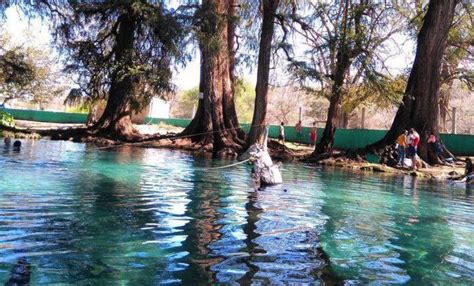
[(313, 134), (413, 141), (416, 139), (434, 144)]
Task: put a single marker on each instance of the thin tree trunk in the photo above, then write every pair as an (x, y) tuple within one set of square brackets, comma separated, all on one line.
[(419, 108), (116, 119), (445, 94), (216, 119), (257, 130), (343, 120), (344, 55), (335, 105), (229, 101), (443, 109)]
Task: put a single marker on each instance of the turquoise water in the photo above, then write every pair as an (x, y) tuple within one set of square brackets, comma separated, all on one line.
[(136, 216)]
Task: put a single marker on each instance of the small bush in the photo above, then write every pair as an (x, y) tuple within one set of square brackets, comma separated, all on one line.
[(6, 119)]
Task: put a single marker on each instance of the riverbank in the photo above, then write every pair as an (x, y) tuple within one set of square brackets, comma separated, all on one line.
[(291, 152), (453, 172)]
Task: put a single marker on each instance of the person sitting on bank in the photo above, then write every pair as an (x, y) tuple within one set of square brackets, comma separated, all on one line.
[(299, 132), (314, 134), (281, 134), (401, 146), (435, 145)]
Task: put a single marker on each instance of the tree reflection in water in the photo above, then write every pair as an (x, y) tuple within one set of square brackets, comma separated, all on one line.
[(201, 230), (253, 213)]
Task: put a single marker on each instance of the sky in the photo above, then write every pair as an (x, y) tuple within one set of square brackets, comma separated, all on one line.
[(37, 33), (26, 32)]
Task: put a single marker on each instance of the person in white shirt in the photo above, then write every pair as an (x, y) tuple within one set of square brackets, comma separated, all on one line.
[(281, 134)]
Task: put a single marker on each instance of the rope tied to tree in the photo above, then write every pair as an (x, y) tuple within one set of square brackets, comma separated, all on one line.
[(223, 167)]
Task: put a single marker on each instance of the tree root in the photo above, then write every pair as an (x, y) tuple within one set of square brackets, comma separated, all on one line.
[(318, 158)]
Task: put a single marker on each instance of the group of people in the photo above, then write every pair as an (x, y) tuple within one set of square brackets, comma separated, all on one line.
[(299, 133), (407, 146), (16, 145)]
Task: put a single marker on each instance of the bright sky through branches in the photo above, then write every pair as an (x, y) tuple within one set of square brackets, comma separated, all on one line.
[(35, 32)]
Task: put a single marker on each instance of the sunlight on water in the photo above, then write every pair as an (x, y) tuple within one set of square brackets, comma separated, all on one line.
[(146, 216)]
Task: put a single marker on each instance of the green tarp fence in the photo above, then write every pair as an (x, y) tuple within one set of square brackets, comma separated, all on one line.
[(459, 144), (47, 116)]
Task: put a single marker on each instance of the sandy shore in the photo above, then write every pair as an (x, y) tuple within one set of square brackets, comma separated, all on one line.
[(143, 128), (44, 125)]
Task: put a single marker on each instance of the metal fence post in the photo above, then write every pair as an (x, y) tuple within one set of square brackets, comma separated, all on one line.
[(362, 123), (453, 127)]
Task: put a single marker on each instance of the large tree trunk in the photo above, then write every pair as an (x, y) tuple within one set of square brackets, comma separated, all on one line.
[(200, 127), (116, 119), (216, 120), (257, 130), (419, 108), (335, 104), (232, 123)]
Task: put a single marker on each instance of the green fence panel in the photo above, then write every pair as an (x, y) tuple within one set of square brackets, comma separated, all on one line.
[(356, 138), (47, 116), (459, 144), (345, 138)]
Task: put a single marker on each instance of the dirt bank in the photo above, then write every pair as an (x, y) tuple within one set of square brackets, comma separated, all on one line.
[(453, 172)]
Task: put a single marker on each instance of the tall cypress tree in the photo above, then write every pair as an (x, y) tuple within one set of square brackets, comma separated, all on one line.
[(121, 51), (419, 108), (215, 122)]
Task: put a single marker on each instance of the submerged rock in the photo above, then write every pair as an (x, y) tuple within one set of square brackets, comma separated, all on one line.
[(20, 274)]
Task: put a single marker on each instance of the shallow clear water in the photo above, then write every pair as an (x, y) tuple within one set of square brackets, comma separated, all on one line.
[(146, 216)]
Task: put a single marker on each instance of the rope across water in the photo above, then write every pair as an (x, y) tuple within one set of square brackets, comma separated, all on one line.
[(223, 167), (179, 137)]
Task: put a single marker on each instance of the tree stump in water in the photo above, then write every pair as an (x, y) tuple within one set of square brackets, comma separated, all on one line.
[(264, 170)]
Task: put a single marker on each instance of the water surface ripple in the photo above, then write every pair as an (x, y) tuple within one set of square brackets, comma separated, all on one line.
[(136, 216)]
